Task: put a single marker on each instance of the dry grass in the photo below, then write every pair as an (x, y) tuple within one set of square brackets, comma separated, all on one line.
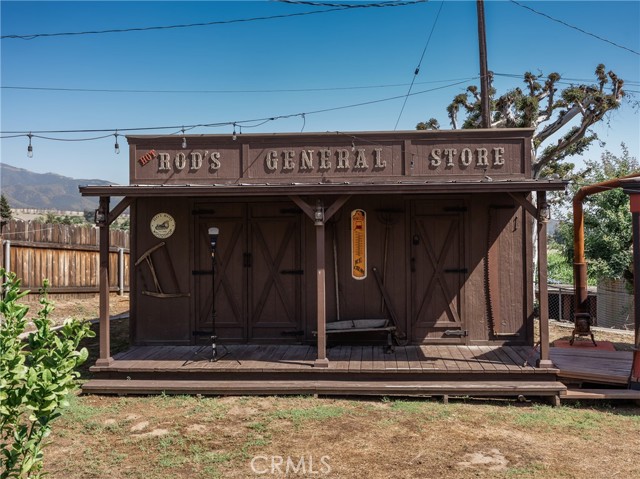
[(201, 437)]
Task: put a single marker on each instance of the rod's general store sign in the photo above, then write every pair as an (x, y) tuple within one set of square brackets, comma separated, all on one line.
[(244, 160)]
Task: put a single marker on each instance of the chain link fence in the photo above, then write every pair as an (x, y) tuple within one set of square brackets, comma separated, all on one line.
[(610, 304), (561, 303)]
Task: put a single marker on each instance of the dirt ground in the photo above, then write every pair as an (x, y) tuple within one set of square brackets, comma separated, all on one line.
[(243, 437), (79, 308)]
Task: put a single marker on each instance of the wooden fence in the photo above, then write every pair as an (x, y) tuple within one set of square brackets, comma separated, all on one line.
[(67, 255)]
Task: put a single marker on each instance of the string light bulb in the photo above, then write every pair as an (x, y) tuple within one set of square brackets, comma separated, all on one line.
[(30, 148), (234, 137), (116, 146), (184, 139)]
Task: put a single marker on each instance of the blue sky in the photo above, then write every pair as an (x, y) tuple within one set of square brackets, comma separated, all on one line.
[(331, 53)]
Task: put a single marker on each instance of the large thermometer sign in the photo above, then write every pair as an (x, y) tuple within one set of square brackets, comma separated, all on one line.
[(358, 244)]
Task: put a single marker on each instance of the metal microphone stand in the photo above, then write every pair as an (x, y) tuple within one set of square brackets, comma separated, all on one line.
[(214, 347), (214, 337)]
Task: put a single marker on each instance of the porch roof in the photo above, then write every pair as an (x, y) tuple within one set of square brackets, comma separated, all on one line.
[(326, 188)]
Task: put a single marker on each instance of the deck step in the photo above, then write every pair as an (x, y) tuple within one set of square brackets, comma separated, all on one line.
[(356, 388), (629, 394)]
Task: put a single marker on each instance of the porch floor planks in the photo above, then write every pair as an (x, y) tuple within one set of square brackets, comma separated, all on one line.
[(461, 360), (597, 366), (505, 360), (428, 359), (312, 355), (149, 354), (529, 355), (412, 359), (293, 358), (342, 354), (167, 361), (517, 359), (390, 361), (583, 365), (482, 359), (402, 359), (367, 359), (249, 356), (232, 356), (470, 356), (355, 361), (377, 363), (449, 363)]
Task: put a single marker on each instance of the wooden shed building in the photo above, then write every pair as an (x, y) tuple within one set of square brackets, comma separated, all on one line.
[(282, 244)]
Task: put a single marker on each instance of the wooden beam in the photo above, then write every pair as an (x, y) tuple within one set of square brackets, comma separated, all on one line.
[(308, 210), (531, 209), (105, 358), (120, 207), (335, 207), (545, 359)]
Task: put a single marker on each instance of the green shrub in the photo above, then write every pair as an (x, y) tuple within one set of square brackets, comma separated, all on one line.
[(36, 377)]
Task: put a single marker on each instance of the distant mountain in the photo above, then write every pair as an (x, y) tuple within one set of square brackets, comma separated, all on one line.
[(48, 191)]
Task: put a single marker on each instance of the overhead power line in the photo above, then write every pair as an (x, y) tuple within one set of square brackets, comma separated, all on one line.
[(282, 90), (575, 28), (337, 7), (272, 90), (564, 80), (417, 70)]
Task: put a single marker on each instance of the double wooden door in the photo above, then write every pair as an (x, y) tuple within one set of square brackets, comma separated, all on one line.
[(254, 292), (437, 272)]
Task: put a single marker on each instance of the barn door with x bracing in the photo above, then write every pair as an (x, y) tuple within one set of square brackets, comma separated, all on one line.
[(276, 273), (258, 273), (437, 272), (229, 275)]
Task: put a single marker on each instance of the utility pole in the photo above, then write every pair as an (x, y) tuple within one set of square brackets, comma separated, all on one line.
[(484, 70)]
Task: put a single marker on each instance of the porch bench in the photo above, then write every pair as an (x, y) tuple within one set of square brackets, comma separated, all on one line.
[(389, 330)]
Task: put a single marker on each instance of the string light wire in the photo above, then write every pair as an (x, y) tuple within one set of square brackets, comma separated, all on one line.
[(252, 123)]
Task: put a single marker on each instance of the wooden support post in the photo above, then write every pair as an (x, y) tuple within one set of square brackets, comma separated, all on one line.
[(320, 216), (322, 360), (543, 208), (102, 220)]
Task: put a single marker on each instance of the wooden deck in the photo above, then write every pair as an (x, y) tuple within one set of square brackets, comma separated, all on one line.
[(360, 370), (342, 359), (353, 370), (592, 366)]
